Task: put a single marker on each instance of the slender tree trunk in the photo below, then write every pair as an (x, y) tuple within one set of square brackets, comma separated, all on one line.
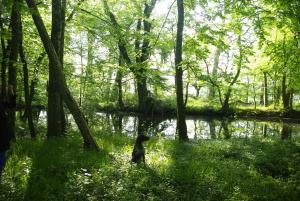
[(266, 101), (291, 98), (89, 141), (284, 94), (119, 84), (212, 88), (28, 107), (12, 70), (186, 93), (261, 101), (247, 90), (181, 124), (197, 91)]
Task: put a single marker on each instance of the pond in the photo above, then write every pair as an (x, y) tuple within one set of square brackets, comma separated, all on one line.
[(198, 127)]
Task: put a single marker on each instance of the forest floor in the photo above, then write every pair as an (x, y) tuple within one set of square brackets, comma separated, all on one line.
[(256, 168)]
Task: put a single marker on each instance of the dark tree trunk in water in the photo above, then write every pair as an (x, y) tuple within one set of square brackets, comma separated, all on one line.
[(181, 124), (286, 131), (224, 125), (54, 118), (13, 57), (265, 130), (89, 141), (212, 129), (28, 107), (266, 101)]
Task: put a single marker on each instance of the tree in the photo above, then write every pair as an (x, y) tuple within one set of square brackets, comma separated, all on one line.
[(89, 141), (181, 124), (142, 50), (55, 114), (13, 57), (28, 107)]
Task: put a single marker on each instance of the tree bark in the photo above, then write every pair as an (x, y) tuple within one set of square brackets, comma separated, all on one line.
[(5, 56), (284, 94), (181, 124), (119, 84), (212, 88), (266, 101), (54, 113), (12, 70), (89, 141), (28, 107)]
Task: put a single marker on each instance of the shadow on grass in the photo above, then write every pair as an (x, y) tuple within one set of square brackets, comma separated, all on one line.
[(54, 163), (203, 172)]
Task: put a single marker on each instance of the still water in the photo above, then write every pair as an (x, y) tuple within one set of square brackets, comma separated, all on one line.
[(198, 127)]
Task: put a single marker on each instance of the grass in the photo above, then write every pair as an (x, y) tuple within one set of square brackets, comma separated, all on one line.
[(236, 169)]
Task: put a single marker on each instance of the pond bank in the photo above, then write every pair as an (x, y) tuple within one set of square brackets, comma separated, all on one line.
[(247, 114)]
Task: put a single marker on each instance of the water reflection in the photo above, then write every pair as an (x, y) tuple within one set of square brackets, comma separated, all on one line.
[(197, 127)]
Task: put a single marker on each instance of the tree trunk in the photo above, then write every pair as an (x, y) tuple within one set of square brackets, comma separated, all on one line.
[(225, 105), (284, 94), (5, 56), (54, 123), (286, 131), (266, 101), (212, 128), (265, 130), (61, 57), (89, 141), (119, 83), (181, 124), (186, 93), (261, 101), (224, 125), (140, 69), (291, 98), (13, 57), (28, 107), (212, 88)]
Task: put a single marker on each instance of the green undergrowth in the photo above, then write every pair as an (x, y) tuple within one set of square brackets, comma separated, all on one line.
[(236, 169)]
